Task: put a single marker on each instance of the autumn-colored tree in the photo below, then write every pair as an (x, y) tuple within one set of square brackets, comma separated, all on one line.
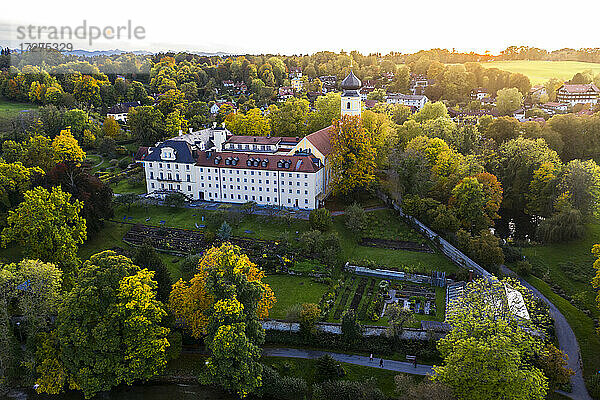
[(225, 301), (252, 123), (48, 225), (110, 127), (66, 148), (353, 156), (108, 330), (15, 179)]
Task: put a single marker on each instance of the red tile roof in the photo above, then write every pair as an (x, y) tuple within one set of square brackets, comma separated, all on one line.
[(322, 140), (580, 88), (296, 163)]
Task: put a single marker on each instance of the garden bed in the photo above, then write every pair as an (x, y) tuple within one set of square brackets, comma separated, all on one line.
[(395, 244)]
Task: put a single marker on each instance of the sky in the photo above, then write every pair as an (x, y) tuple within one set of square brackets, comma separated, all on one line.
[(303, 27)]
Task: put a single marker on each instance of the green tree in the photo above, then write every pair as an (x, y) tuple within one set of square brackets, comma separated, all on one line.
[(48, 225), (355, 218), (596, 279), (431, 111), (509, 100), (327, 109), (398, 318), (108, 328), (147, 257), (352, 330), (489, 352), (290, 118), (468, 201), (147, 124)]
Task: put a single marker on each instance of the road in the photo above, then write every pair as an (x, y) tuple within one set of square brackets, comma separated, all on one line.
[(390, 365), (566, 341)]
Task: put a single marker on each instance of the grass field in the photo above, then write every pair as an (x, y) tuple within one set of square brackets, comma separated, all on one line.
[(540, 71), (291, 290), (276, 229), (11, 109)]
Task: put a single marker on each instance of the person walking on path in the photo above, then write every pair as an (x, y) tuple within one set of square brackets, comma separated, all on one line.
[(371, 358), (415, 362), (381, 362)]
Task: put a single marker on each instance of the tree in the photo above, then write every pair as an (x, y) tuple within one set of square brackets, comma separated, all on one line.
[(353, 156), (431, 111), (48, 225), (398, 318), (488, 353), (509, 100), (15, 179), (225, 300), (327, 369), (581, 179), (108, 328), (147, 124), (66, 148), (503, 129), (224, 232), (147, 257), (252, 123), (327, 109), (355, 218), (290, 118), (191, 301), (111, 128), (174, 199), (352, 330), (468, 201), (320, 219), (309, 315), (96, 196), (554, 363)]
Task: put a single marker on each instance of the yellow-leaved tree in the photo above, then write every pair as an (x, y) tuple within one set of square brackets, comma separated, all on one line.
[(353, 156), (596, 280), (66, 148), (224, 302)]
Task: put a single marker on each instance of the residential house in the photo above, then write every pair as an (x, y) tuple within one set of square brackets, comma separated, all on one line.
[(119, 111), (572, 94), (411, 100)]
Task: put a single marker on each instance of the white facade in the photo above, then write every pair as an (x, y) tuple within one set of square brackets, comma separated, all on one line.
[(119, 117), (351, 105), (411, 100)]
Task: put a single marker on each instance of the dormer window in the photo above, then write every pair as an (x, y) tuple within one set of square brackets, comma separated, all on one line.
[(167, 153)]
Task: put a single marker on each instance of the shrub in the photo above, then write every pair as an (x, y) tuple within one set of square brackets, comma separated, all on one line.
[(326, 369), (174, 199), (325, 247), (124, 163), (320, 219), (347, 390), (309, 314), (356, 218), (512, 254), (561, 227), (524, 268), (114, 162), (275, 386)]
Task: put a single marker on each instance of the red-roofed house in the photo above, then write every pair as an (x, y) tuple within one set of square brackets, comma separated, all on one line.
[(586, 93)]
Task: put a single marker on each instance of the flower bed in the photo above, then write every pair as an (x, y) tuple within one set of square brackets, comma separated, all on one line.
[(344, 299), (358, 294)]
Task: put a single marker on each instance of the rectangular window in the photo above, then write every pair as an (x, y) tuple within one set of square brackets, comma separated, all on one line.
[(151, 175), (150, 165), (189, 178), (152, 185), (189, 188)]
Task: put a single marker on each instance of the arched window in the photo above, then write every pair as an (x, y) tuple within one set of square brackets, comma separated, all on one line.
[(348, 105)]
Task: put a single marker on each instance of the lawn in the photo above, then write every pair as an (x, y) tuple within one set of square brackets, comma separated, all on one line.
[(305, 369), (12, 109), (540, 71), (569, 266), (259, 227), (124, 186), (290, 290)]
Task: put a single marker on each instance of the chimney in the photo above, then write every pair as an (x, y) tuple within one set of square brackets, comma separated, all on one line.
[(214, 125), (180, 132), (470, 275), (191, 130)]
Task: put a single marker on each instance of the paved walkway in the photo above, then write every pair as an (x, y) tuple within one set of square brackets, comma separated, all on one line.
[(566, 341), (390, 365)]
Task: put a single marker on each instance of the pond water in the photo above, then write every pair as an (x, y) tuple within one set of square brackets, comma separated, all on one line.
[(141, 392)]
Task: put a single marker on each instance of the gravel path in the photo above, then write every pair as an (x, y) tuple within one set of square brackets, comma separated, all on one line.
[(390, 365), (566, 340)]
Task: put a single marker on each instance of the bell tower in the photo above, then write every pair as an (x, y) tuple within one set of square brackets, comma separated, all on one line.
[(351, 104)]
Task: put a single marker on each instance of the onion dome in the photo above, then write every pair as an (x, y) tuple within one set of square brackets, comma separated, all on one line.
[(351, 82)]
